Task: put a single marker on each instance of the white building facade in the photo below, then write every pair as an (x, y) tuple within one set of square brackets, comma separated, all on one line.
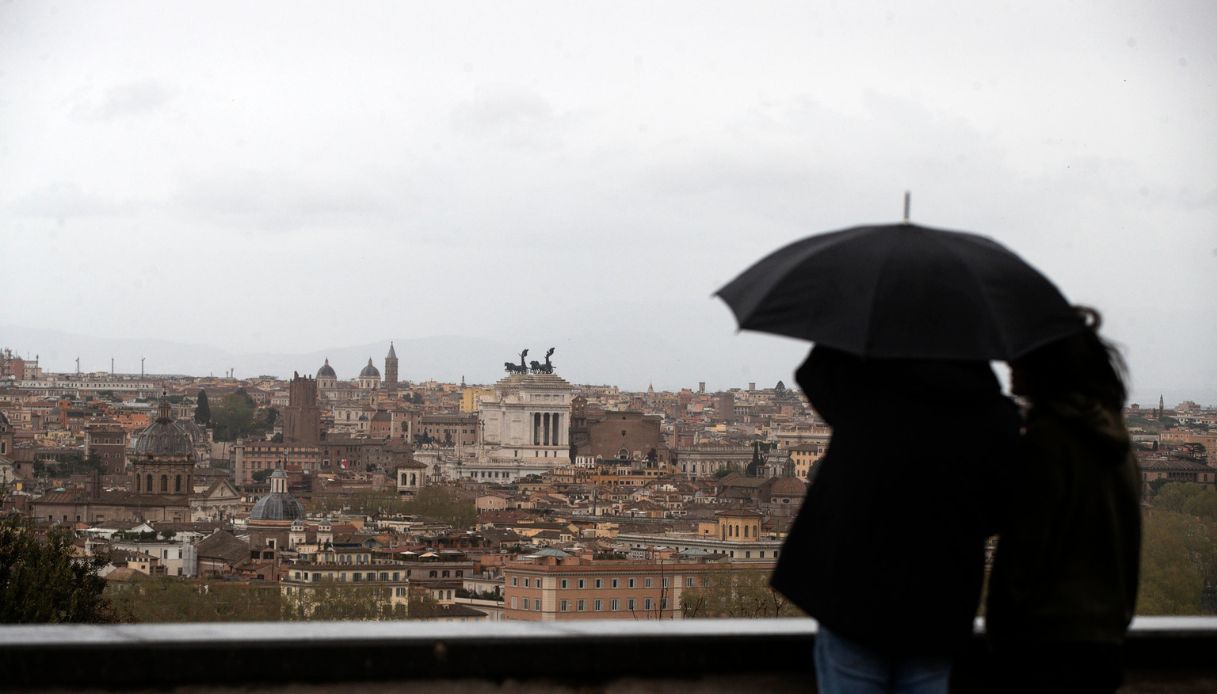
[(526, 421)]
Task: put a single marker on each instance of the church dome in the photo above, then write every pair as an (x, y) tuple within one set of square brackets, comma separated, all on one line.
[(164, 437), (369, 371), (278, 505), (326, 371)]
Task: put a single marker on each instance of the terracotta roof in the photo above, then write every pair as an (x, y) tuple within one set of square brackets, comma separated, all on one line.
[(223, 545), (788, 486)]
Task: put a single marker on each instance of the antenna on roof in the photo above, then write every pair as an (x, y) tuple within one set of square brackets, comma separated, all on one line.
[(908, 199)]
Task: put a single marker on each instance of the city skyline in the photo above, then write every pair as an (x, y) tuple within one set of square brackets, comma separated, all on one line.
[(453, 359)]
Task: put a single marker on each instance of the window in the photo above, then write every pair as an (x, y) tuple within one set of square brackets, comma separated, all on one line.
[(629, 604), (630, 583), (582, 583), (580, 606), (599, 583), (564, 605), (646, 604), (515, 580), (646, 582), (513, 604), (689, 582), (597, 605), (565, 583), (614, 604), (615, 583)]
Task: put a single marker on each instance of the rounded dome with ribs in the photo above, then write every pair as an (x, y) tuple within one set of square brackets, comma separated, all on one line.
[(279, 505), (164, 437), (326, 371), (369, 371)]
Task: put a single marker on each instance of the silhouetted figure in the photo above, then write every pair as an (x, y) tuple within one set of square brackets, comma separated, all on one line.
[(887, 552), (1064, 581)]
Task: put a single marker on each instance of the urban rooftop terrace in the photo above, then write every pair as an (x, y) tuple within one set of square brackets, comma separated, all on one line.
[(1163, 654)]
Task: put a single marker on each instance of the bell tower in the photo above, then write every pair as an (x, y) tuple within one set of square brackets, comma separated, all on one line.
[(391, 372)]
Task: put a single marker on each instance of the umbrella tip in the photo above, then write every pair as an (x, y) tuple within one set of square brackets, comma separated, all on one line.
[(908, 199)]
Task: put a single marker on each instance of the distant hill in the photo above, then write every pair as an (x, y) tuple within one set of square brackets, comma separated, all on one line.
[(630, 359), (669, 358)]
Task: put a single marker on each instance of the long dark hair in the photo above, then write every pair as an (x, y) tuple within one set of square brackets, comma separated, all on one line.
[(1082, 365)]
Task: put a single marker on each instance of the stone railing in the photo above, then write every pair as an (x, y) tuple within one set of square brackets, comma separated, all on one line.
[(1162, 654)]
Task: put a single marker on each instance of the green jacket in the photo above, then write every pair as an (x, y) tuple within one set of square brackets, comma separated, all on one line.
[(1069, 543)]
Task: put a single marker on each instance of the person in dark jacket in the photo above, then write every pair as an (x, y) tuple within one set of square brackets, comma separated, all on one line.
[(887, 552), (1064, 581)]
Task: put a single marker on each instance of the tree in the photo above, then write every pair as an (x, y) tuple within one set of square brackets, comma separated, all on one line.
[(739, 594), (260, 476), (264, 421), (41, 582), (233, 416), (202, 411), (1187, 498), (1178, 558), (175, 600), (332, 600)]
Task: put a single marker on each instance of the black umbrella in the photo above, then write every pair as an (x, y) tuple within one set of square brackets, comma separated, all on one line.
[(902, 291)]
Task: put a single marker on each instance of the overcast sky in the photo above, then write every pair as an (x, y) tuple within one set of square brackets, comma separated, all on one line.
[(286, 177)]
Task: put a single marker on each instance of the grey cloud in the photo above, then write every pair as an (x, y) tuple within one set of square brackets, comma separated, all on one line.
[(275, 200), (510, 115), (123, 100), (62, 200)]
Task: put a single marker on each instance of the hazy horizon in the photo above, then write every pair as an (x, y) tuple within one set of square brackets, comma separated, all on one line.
[(449, 358)]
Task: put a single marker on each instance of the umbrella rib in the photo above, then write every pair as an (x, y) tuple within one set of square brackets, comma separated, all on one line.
[(874, 299), (984, 295)]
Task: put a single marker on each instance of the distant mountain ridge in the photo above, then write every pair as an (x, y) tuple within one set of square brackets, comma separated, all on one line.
[(631, 359)]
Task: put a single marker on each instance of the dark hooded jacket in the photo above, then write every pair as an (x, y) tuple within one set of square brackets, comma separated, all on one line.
[(888, 548), (1070, 535)]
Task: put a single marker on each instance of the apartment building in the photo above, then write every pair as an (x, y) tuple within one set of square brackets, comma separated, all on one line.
[(556, 588)]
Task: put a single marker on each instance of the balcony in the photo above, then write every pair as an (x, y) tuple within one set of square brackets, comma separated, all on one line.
[(1164, 654)]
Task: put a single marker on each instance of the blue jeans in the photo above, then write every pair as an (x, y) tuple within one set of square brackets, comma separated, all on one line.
[(845, 667)]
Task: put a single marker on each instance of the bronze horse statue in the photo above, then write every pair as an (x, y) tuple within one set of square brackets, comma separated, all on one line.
[(521, 368)]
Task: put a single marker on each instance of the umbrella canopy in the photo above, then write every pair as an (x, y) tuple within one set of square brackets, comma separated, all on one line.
[(902, 291)]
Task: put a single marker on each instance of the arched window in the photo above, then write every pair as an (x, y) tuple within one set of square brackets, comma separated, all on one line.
[(148, 485), (138, 481), (164, 483), (177, 483)]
